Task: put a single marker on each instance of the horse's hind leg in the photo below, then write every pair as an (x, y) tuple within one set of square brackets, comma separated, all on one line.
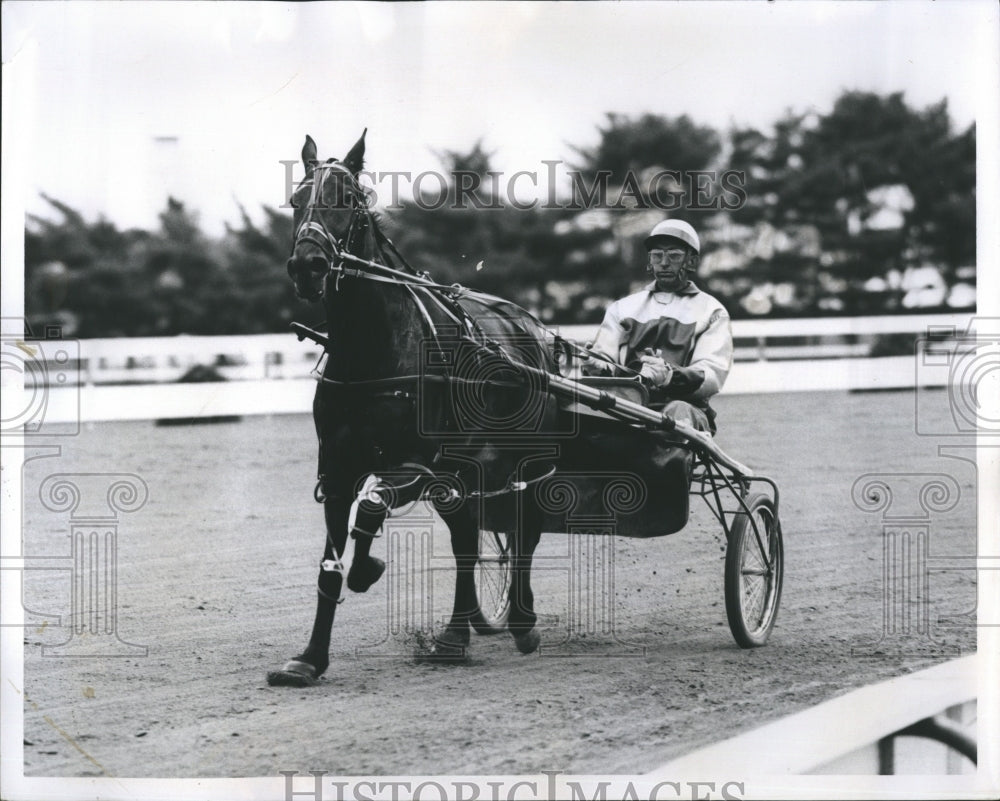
[(453, 641), (304, 669), (521, 622)]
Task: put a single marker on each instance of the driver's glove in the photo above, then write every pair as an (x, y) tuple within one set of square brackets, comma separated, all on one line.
[(655, 371), (596, 367)]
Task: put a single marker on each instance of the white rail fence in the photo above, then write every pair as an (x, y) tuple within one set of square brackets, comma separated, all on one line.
[(920, 723), (118, 379)]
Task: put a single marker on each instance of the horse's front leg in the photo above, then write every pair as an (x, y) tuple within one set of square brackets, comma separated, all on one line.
[(521, 622), (367, 515), (303, 670)]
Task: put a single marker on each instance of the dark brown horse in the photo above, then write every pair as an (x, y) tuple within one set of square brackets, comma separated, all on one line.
[(422, 394)]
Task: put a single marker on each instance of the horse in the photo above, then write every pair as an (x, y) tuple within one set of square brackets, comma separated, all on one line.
[(426, 391)]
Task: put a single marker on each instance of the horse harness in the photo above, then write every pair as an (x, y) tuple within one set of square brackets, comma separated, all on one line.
[(420, 287)]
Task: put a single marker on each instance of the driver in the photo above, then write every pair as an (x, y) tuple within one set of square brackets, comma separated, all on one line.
[(676, 337)]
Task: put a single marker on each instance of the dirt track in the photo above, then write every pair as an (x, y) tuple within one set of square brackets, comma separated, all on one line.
[(217, 574)]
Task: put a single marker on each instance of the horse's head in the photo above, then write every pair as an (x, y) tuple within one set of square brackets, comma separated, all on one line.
[(330, 211)]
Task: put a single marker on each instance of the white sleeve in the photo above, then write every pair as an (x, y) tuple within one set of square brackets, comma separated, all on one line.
[(713, 354), (610, 336)]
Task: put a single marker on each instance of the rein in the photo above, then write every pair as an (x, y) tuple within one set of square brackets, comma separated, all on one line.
[(452, 292)]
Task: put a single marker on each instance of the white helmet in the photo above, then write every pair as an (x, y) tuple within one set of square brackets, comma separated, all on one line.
[(677, 229)]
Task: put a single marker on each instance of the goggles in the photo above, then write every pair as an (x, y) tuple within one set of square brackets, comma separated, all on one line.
[(673, 256)]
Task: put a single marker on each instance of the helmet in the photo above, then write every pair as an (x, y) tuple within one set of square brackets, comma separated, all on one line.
[(676, 229)]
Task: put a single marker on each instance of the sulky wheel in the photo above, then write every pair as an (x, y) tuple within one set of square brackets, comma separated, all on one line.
[(754, 570), (492, 575)]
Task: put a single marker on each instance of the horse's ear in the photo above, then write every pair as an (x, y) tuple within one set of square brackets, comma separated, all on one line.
[(309, 154), (355, 159)]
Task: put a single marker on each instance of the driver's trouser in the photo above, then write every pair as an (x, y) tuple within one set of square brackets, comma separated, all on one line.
[(692, 415)]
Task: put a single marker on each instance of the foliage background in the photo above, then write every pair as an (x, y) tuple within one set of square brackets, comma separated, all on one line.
[(869, 208)]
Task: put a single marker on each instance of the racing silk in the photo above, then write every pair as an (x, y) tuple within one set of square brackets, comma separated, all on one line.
[(689, 327)]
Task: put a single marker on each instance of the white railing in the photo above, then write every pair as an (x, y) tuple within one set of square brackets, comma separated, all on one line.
[(279, 356), (856, 733), (165, 359), (114, 379)]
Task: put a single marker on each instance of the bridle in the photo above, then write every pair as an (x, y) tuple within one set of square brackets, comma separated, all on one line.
[(341, 261), (338, 251), (313, 228)]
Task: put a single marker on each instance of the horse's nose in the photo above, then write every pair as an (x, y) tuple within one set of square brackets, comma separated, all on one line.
[(307, 275), (313, 265)]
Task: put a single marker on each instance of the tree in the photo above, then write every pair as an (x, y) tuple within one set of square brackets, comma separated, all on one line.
[(468, 235), (885, 186), (264, 298), (837, 205), (77, 274), (94, 280), (630, 144)]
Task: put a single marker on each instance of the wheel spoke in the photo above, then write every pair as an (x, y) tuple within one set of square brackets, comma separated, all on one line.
[(492, 579), (754, 602), (753, 573), (490, 583), (757, 574)]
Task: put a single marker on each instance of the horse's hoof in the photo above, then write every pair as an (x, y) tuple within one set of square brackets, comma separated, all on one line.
[(364, 572), (528, 642), (450, 638), (447, 654), (293, 674)]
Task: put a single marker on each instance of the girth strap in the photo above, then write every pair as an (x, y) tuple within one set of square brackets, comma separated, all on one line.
[(404, 380)]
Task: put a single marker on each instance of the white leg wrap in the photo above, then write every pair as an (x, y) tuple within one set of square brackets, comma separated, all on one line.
[(369, 492)]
